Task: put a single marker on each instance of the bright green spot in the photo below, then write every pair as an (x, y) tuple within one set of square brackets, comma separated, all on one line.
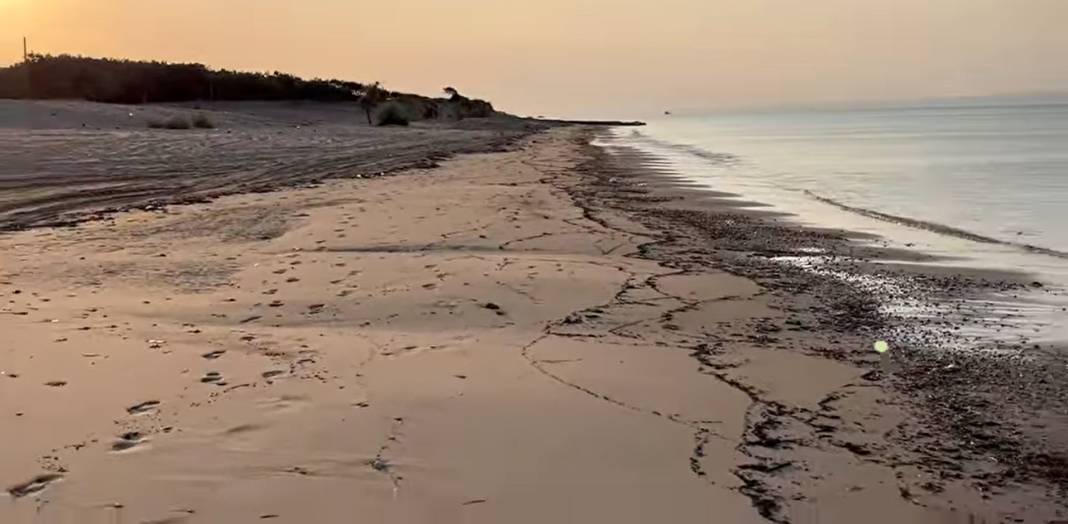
[(881, 346)]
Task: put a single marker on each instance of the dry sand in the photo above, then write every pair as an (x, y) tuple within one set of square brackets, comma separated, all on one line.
[(64, 159), (472, 343)]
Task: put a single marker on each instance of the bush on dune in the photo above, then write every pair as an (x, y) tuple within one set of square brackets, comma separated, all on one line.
[(459, 107), (371, 95), (390, 114), (175, 122), (201, 121), (385, 109)]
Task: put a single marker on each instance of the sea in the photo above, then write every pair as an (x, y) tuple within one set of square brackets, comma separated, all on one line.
[(981, 183)]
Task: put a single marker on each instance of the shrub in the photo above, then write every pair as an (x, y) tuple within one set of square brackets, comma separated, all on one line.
[(201, 121), (371, 95), (390, 114), (175, 122)]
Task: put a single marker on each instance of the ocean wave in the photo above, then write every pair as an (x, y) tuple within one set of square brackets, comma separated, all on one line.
[(935, 227), (728, 159), (716, 158)]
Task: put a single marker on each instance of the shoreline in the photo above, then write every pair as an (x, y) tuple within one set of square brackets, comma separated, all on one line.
[(955, 389), (544, 333)]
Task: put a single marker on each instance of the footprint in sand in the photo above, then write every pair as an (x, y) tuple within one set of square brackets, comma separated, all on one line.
[(494, 307), (144, 407), (128, 440), (35, 485), (214, 354), (211, 377)]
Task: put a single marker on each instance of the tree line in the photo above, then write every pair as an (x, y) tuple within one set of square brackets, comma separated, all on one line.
[(136, 82), (141, 82)]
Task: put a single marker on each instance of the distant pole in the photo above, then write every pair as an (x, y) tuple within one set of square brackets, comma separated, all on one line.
[(26, 70)]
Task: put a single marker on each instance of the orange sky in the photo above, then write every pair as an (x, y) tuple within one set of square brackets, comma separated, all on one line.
[(587, 57)]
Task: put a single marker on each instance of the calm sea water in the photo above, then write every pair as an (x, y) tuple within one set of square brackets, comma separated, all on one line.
[(981, 184)]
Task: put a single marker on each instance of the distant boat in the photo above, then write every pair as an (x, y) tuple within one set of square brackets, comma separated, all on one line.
[(667, 112)]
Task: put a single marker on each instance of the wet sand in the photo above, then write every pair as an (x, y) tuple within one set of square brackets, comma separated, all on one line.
[(504, 338)]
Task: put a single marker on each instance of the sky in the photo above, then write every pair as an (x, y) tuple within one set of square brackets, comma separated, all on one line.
[(587, 58)]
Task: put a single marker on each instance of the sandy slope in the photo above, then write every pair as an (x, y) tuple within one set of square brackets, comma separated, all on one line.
[(62, 159), (463, 344)]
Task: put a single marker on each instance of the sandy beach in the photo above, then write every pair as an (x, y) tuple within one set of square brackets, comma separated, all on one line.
[(531, 331), (63, 159)]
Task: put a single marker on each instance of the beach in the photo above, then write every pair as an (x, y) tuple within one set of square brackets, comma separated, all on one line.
[(64, 159), (505, 324)]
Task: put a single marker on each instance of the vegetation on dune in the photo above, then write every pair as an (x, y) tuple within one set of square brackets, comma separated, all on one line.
[(370, 96), (175, 122), (132, 82), (390, 114), (137, 82), (468, 107), (201, 121)]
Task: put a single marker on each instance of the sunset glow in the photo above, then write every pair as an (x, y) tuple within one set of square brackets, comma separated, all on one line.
[(558, 56)]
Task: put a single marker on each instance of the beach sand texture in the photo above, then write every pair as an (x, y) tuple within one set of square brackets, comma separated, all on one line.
[(468, 343), (64, 158)]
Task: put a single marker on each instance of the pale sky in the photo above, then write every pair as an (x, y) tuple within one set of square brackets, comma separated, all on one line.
[(610, 58)]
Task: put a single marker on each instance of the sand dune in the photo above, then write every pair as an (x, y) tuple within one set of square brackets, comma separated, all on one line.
[(64, 159)]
